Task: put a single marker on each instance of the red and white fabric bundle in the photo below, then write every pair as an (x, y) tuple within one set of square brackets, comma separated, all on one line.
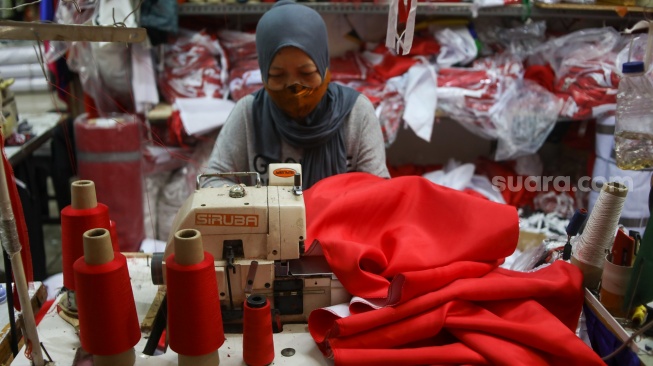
[(585, 71), (194, 66), (381, 81), (244, 73), (468, 94), (589, 90)]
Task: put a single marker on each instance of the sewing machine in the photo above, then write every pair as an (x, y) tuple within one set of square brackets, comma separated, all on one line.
[(256, 235)]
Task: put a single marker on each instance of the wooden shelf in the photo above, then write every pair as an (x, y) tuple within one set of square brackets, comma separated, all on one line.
[(443, 9), (600, 10)]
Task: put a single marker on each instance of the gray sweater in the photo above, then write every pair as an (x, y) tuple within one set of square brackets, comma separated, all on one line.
[(234, 148)]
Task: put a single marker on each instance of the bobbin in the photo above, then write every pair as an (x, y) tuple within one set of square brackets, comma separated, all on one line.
[(83, 204), (98, 250), (82, 196), (591, 271), (258, 342), (190, 251)]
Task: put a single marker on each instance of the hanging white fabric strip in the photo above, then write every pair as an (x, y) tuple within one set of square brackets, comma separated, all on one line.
[(400, 39)]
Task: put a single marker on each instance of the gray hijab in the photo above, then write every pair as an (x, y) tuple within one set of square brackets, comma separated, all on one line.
[(321, 136)]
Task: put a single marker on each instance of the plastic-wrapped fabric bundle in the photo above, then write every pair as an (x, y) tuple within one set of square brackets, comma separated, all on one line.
[(524, 116), (244, 73), (467, 95), (109, 154), (584, 66), (244, 78), (589, 90), (195, 66)]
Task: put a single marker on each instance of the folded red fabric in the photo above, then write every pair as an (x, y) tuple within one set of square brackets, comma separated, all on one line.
[(429, 256)]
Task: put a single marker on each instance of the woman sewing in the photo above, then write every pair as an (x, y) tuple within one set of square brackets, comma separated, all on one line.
[(298, 116)]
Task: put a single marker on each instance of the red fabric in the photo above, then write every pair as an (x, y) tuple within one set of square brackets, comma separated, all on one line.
[(393, 65), (412, 169), (19, 218), (44, 310), (89, 106), (347, 67), (593, 84), (424, 46), (402, 11), (541, 74), (110, 156), (163, 340), (430, 256), (192, 68), (514, 197)]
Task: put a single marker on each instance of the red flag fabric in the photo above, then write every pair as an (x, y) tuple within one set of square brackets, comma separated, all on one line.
[(429, 257), (19, 217)]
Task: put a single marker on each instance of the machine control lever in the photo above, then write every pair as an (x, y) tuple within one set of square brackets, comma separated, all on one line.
[(297, 185), (231, 257), (230, 265), (251, 275)]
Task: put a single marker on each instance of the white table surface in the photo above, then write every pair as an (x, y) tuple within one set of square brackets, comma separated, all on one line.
[(42, 124), (61, 341)]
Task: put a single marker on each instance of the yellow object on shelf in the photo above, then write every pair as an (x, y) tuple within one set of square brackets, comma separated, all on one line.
[(622, 2), (9, 109), (639, 316)]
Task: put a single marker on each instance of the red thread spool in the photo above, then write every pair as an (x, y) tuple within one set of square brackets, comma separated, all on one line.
[(194, 318), (83, 213), (109, 153), (108, 323), (114, 235), (258, 344)]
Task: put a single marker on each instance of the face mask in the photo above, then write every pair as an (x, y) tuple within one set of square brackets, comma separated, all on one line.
[(297, 100)]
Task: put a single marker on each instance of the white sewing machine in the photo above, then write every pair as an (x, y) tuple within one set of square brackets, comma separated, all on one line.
[(256, 235)]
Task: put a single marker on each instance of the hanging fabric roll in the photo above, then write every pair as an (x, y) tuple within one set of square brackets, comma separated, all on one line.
[(83, 213), (591, 247), (109, 153), (194, 319), (258, 345), (108, 322)]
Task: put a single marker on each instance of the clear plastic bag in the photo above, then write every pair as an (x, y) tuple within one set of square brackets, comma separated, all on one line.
[(521, 41), (467, 95), (524, 117), (577, 48), (67, 13), (458, 47), (108, 97)]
